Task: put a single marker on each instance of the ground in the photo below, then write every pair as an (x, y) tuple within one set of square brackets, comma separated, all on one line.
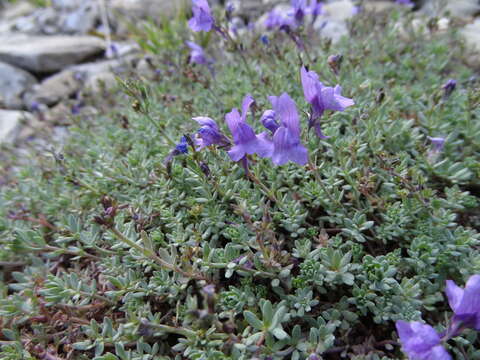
[(119, 245)]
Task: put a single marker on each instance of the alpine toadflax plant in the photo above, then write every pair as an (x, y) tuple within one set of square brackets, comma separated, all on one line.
[(244, 137), (209, 133), (321, 98), (287, 144), (197, 54), (202, 19)]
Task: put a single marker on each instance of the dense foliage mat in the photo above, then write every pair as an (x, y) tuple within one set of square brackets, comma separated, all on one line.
[(124, 245)]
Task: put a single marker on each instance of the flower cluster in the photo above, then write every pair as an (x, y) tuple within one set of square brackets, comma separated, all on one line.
[(295, 16), (282, 140), (421, 341)]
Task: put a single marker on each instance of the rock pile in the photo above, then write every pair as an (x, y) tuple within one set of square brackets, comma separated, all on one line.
[(47, 55)]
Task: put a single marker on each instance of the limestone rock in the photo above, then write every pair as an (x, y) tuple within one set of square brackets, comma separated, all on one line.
[(332, 29), (16, 10), (46, 54), (471, 33), (54, 88), (147, 8), (458, 8), (14, 83), (10, 124), (101, 81), (67, 82), (339, 10), (378, 6)]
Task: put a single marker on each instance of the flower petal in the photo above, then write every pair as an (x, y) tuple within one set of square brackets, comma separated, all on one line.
[(454, 295), (286, 109), (438, 353), (417, 339), (237, 152), (287, 148), (206, 121), (470, 303), (248, 101), (309, 84)]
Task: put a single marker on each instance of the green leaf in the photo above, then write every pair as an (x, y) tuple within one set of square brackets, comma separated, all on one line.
[(279, 333), (267, 312), (278, 317), (253, 320)]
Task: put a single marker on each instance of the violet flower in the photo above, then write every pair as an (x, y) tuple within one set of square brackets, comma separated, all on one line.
[(209, 133), (438, 143), (465, 304), (321, 98), (286, 139), (197, 54), (181, 147), (299, 10), (264, 39), (405, 2), (421, 341), (275, 20), (269, 121), (315, 8), (449, 87), (202, 19), (245, 139)]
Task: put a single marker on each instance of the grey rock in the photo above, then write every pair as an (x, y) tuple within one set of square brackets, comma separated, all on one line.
[(331, 24), (458, 8), (147, 8), (55, 88), (101, 81), (332, 29), (81, 20), (72, 79), (10, 124), (14, 83), (339, 10), (378, 6), (471, 33), (17, 10), (45, 54)]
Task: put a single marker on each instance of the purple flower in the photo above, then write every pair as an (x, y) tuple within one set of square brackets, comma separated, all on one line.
[(465, 304), (449, 87), (197, 54), (321, 98), (209, 133), (299, 9), (264, 39), (269, 121), (286, 139), (276, 20), (246, 141), (437, 142), (202, 19), (421, 341), (182, 146), (405, 2), (315, 8)]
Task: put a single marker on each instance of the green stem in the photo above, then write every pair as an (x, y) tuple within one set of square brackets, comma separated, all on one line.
[(267, 191), (240, 268), (160, 129), (172, 330), (96, 296), (151, 255), (322, 185)]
